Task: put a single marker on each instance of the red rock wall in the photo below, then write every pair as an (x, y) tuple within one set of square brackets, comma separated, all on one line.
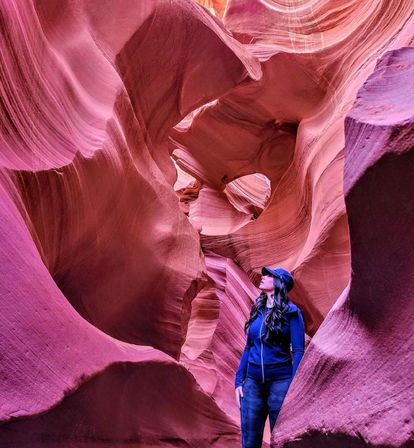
[(154, 155), (98, 263), (360, 361)]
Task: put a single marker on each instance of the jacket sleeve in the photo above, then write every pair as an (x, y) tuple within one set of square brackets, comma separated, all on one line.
[(241, 371), (297, 333)]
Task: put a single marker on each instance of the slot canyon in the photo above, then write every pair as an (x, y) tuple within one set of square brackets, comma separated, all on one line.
[(155, 155)]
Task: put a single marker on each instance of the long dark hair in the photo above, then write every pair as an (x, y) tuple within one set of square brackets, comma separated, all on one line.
[(274, 320)]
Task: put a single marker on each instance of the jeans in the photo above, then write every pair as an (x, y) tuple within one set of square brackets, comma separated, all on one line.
[(260, 399)]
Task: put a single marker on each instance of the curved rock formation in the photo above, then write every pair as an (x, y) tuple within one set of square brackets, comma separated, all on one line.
[(289, 126), (304, 226), (359, 364), (154, 156), (89, 219)]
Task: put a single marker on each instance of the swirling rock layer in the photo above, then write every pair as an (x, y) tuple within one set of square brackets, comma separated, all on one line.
[(98, 263), (154, 156), (361, 355)]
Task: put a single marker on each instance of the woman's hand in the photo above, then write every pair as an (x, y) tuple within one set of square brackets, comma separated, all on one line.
[(239, 394)]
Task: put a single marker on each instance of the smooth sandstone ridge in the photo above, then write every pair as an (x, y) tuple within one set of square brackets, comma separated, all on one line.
[(361, 357), (99, 265), (154, 155)]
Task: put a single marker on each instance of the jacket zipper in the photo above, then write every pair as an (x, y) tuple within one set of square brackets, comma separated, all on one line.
[(261, 347)]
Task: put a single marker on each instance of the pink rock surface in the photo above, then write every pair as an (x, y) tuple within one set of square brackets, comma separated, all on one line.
[(359, 364), (89, 219), (77, 383), (289, 127), (154, 155), (305, 225)]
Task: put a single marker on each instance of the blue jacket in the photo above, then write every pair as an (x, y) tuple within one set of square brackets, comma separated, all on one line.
[(264, 361)]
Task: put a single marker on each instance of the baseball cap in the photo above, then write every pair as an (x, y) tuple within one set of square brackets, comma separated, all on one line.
[(282, 274)]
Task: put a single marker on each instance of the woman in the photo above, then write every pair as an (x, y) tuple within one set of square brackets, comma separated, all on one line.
[(266, 368)]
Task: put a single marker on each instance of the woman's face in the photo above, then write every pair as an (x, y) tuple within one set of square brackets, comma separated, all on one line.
[(266, 284)]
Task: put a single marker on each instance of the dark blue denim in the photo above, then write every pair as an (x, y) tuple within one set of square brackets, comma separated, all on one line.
[(260, 400)]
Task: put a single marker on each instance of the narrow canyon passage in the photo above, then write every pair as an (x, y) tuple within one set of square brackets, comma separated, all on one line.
[(154, 156)]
